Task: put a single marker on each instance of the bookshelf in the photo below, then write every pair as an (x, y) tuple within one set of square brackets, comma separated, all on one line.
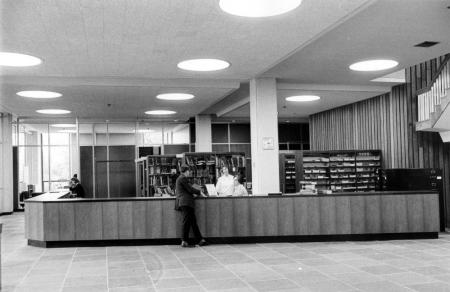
[(235, 161), (202, 166), (157, 175), (338, 171)]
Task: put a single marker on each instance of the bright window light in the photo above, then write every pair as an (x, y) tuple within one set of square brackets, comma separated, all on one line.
[(203, 65), (303, 98), (160, 112), (53, 111), (175, 96), (39, 94), (373, 65), (18, 60), (258, 8)]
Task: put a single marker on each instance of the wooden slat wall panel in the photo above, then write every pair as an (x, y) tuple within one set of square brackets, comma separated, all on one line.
[(387, 122)]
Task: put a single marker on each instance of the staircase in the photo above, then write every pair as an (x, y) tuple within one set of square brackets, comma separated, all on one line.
[(434, 104)]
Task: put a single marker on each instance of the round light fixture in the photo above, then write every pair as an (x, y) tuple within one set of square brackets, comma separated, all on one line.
[(64, 125), (258, 8), (373, 65), (18, 60), (203, 65), (160, 112), (175, 96), (39, 94), (303, 98), (53, 111)]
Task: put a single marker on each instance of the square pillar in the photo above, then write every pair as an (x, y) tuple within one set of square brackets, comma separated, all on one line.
[(264, 136), (203, 135), (6, 164)]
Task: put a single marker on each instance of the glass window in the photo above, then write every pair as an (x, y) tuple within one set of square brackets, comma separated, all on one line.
[(149, 134), (219, 133), (122, 134), (85, 134), (33, 134), (100, 136), (30, 168), (176, 134), (240, 133)]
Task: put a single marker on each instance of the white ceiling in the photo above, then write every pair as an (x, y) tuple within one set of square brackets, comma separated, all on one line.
[(386, 29), (123, 53), (301, 110), (123, 41)]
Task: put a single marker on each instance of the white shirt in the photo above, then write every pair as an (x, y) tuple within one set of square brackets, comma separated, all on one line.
[(225, 185), (240, 190)]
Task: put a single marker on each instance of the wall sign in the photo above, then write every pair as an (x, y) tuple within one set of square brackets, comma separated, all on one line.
[(268, 143)]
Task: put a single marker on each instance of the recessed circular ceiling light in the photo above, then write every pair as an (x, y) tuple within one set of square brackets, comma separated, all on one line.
[(175, 96), (203, 65), (160, 112), (303, 98), (53, 111), (258, 8), (64, 125), (18, 60), (373, 65), (39, 94)]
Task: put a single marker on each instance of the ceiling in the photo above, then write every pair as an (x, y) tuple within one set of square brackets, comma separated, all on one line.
[(124, 53), (385, 29)]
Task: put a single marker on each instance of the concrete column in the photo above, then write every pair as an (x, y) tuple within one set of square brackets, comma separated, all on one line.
[(6, 164), (264, 136), (203, 138)]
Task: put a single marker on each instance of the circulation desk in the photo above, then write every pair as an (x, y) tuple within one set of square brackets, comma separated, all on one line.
[(54, 221)]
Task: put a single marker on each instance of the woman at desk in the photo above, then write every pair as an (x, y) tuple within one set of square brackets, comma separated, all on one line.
[(239, 189), (225, 183)]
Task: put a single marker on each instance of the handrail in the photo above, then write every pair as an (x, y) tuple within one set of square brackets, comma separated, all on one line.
[(430, 100), (435, 76)]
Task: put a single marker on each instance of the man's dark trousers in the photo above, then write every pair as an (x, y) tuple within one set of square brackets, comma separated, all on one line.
[(189, 221)]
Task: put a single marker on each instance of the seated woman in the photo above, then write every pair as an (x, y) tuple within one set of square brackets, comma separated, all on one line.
[(225, 183), (239, 189)]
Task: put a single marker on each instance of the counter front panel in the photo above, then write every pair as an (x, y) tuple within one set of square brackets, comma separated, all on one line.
[(237, 219)]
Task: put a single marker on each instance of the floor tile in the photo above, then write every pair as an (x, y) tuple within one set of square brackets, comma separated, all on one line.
[(129, 282), (326, 286), (358, 277), (381, 286), (221, 284), (213, 274), (274, 285), (408, 278), (175, 283), (433, 287), (381, 269)]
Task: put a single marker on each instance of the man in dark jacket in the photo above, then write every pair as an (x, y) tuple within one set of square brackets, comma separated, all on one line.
[(185, 202)]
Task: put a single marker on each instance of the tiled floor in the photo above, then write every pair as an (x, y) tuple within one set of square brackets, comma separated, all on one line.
[(409, 265)]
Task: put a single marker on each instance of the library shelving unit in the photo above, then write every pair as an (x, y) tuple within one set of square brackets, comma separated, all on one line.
[(202, 166), (316, 169), (338, 171), (290, 161), (235, 161), (157, 175)]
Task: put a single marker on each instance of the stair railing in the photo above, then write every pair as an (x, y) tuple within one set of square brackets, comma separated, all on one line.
[(432, 96)]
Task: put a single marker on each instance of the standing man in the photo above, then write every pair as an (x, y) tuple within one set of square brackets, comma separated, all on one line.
[(185, 202)]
